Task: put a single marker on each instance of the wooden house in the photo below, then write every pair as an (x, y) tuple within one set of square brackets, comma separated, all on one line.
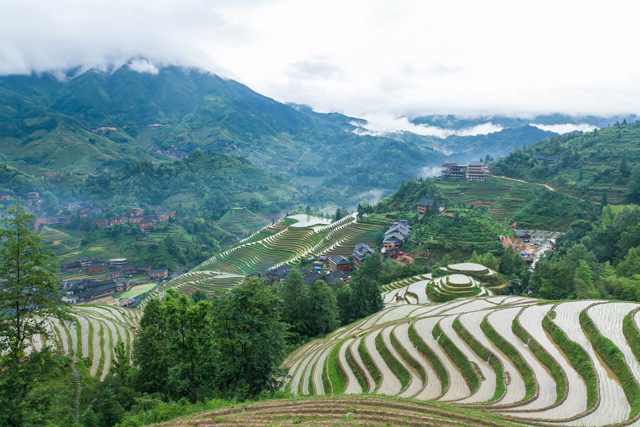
[(339, 263), (158, 273), (96, 268), (115, 274), (361, 250)]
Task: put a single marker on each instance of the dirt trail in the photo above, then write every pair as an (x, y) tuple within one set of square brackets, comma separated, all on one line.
[(548, 187)]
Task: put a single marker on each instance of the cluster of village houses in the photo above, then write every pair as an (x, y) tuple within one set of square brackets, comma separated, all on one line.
[(144, 222), (339, 268), (118, 272), (135, 216)]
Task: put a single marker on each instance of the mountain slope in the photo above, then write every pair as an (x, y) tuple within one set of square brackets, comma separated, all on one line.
[(586, 165), (100, 117)]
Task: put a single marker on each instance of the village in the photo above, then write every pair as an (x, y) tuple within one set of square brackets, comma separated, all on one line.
[(35, 204), (118, 282)]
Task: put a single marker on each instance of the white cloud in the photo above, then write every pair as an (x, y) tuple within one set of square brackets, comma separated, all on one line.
[(359, 57), (566, 127), (143, 66), (427, 172), (381, 124), (310, 70)]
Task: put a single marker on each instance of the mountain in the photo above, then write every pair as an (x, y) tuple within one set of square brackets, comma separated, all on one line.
[(459, 122), (95, 120), (586, 165), (496, 144)]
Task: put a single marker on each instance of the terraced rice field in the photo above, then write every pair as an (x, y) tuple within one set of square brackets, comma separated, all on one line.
[(188, 283), (281, 245), (92, 334), (342, 411), (527, 361), (272, 246)]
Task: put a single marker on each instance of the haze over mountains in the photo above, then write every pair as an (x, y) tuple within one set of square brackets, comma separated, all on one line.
[(97, 119)]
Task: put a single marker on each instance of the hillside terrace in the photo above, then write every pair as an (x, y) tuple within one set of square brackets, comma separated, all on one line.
[(276, 275)]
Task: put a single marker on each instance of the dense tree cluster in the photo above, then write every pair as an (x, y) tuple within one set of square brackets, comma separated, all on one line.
[(316, 309), (600, 260), (198, 349)]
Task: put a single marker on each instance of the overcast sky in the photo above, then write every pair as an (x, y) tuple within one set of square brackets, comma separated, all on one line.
[(359, 57)]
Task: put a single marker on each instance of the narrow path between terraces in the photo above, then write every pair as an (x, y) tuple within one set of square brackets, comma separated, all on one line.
[(548, 187)]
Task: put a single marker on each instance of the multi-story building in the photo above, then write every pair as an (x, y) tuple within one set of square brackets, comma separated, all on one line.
[(476, 171)]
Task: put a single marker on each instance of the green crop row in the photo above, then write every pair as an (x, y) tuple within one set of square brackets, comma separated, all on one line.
[(578, 358), (485, 354), (458, 359), (613, 357), (430, 356), (368, 362), (515, 357), (393, 363), (541, 354)]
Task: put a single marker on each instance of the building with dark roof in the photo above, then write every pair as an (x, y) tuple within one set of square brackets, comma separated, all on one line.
[(361, 250), (423, 205), (279, 274), (115, 274), (477, 171), (549, 160), (96, 268), (339, 263), (160, 273), (77, 291)]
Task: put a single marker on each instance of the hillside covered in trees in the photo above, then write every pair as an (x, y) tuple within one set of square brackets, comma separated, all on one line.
[(601, 165)]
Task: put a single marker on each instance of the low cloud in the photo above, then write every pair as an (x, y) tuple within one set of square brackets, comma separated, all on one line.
[(381, 124), (309, 70), (143, 66), (430, 171), (566, 127), (373, 196)]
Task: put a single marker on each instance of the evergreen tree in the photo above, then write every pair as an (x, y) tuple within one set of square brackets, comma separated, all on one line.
[(583, 283), (150, 353), (191, 345), (250, 339), (630, 265), (366, 298), (344, 299), (624, 168), (29, 298), (295, 303), (324, 315)]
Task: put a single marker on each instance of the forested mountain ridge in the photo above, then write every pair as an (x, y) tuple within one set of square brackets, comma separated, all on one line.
[(599, 165), (96, 119), (210, 183)]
